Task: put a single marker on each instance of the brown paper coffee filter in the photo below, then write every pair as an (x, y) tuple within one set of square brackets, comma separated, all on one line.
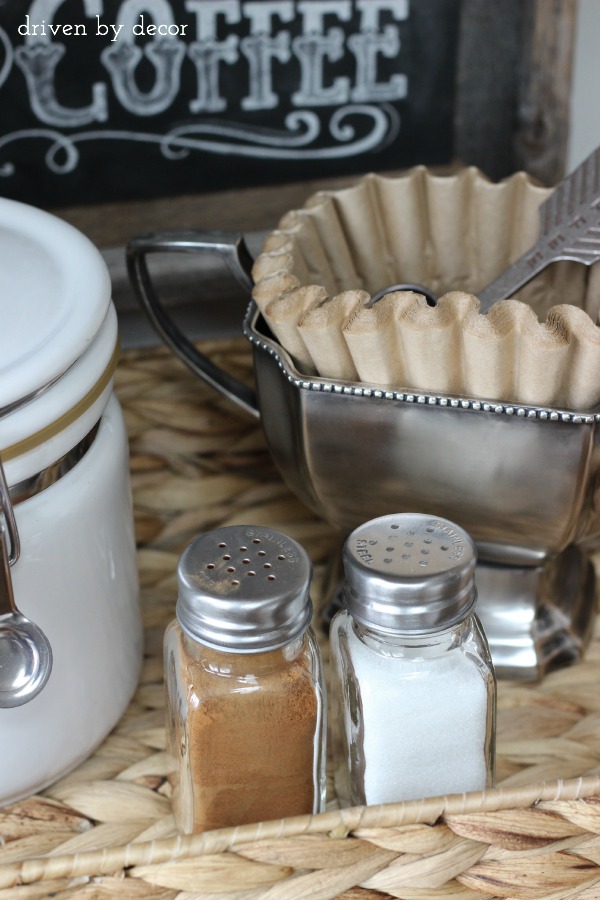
[(354, 208), (491, 346), (453, 234), (543, 362), (372, 338), (286, 257), (305, 234), (584, 353), (321, 328), (321, 223), (282, 316), (272, 286), (431, 344), (592, 294)]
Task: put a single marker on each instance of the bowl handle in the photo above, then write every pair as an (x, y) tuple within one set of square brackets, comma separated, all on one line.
[(229, 245)]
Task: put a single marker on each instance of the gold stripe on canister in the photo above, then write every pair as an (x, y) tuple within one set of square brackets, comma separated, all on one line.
[(49, 431)]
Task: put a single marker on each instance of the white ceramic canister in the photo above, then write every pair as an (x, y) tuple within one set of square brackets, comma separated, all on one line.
[(64, 448)]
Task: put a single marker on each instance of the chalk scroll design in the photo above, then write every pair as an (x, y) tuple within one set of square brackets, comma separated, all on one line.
[(303, 129)]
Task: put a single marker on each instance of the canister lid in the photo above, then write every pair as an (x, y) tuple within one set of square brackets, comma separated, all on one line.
[(409, 573), (244, 589), (54, 296)]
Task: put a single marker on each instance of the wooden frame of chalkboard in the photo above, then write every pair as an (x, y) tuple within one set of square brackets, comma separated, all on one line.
[(511, 113)]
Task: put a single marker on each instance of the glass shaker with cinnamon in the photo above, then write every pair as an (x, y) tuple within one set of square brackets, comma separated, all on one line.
[(246, 704)]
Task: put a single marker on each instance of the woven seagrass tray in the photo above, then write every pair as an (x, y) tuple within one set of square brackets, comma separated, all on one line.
[(106, 831)]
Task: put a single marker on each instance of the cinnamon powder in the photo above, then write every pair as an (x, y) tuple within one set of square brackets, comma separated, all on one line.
[(252, 727)]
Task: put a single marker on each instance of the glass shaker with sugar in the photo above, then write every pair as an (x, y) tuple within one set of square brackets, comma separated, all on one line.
[(245, 691), (413, 693)]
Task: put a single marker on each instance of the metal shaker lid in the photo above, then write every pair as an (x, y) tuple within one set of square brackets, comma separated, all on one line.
[(244, 589), (409, 573)]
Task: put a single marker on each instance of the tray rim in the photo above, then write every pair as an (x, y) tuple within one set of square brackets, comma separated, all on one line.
[(336, 824)]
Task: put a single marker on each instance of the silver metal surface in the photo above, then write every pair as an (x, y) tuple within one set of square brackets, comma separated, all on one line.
[(194, 288), (233, 250), (33, 485), (244, 589), (8, 524), (537, 618), (409, 573), (404, 286), (25, 653)]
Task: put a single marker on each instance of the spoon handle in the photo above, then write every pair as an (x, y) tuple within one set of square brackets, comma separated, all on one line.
[(11, 538), (569, 230), (516, 276), (7, 597), (9, 546)]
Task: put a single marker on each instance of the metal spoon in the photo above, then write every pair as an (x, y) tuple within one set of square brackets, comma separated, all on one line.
[(25, 653), (406, 286)]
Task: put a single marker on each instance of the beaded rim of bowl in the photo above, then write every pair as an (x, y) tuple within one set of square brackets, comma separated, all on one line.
[(252, 331)]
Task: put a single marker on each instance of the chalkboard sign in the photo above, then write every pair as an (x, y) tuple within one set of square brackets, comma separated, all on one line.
[(120, 99)]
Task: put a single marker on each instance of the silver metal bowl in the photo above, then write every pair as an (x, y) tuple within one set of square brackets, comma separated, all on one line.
[(522, 480)]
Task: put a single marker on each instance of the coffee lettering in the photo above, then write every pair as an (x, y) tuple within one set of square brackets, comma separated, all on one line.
[(371, 42), (260, 48), (315, 52), (315, 46), (166, 56), (122, 60), (207, 53), (38, 60)]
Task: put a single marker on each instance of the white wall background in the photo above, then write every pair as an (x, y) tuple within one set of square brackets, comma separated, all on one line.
[(584, 130)]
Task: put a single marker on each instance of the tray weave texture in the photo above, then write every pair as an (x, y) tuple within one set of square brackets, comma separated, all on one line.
[(106, 831)]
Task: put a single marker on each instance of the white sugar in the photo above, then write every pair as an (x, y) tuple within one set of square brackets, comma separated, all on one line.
[(424, 724)]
